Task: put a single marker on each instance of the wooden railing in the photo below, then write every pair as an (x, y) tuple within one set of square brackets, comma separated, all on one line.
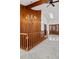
[(24, 40), (28, 41)]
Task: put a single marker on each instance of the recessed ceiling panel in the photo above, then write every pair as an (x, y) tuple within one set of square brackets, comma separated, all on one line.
[(27, 2)]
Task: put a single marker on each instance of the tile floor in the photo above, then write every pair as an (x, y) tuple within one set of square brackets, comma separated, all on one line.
[(48, 49)]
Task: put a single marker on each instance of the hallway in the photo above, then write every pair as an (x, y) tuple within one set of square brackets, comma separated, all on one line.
[(48, 49)]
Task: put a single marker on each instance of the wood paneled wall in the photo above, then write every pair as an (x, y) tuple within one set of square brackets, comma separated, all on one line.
[(24, 23), (30, 28)]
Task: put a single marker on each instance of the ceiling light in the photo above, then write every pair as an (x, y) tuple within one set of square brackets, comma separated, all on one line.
[(51, 15)]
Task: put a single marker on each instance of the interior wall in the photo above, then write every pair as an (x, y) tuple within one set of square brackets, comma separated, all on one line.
[(33, 24), (45, 15), (43, 21), (30, 28)]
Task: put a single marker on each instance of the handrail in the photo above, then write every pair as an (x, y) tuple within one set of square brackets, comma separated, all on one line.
[(27, 43), (24, 41), (24, 34), (36, 32)]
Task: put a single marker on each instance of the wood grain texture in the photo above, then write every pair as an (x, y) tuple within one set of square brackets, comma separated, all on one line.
[(31, 27)]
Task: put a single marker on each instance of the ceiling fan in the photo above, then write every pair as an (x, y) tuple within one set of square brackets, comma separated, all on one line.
[(51, 2)]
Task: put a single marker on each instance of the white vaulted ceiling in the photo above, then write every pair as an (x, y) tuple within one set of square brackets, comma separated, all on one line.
[(27, 2), (50, 14)]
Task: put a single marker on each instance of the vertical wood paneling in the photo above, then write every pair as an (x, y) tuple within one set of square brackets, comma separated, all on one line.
[(32, 27)]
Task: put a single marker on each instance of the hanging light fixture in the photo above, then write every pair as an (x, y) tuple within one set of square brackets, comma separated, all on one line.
[(30, 16)]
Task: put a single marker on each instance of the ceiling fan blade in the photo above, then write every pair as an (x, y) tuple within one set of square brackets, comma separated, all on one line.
[(53, 5), (56, 1)]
